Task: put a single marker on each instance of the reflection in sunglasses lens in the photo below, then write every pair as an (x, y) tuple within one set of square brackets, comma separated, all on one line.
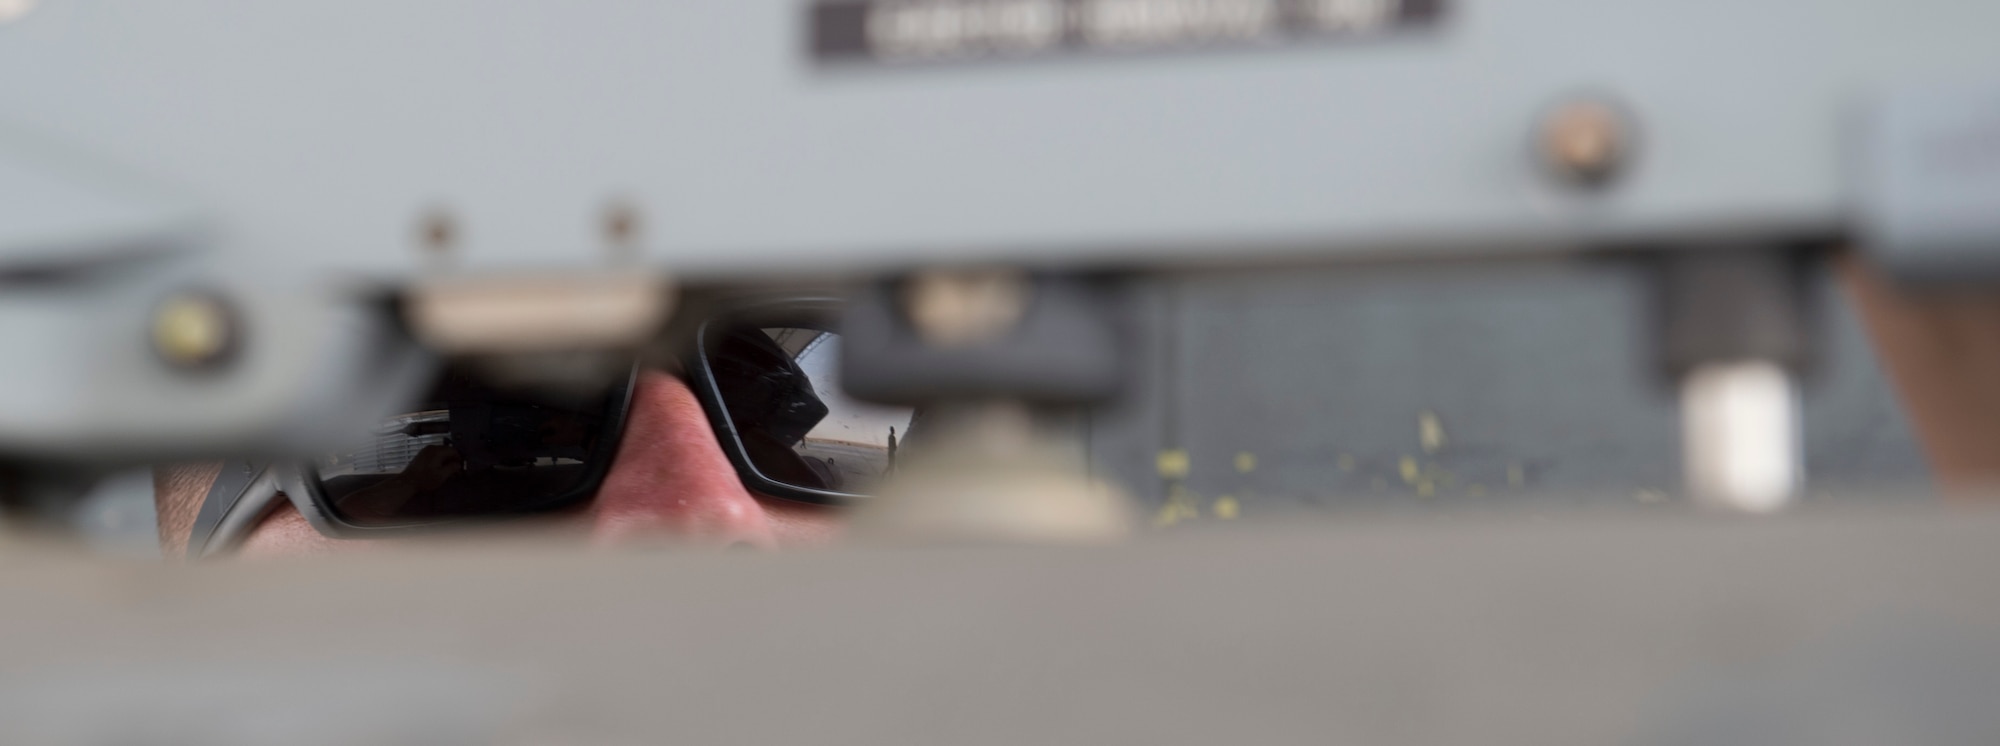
[(781, 389), (472, 450)]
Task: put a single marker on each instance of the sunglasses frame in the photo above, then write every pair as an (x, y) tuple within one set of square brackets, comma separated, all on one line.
[(244, 492), (822, 314), (301, 482)]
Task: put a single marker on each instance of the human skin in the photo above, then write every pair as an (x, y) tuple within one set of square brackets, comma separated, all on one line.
[(669, 482)]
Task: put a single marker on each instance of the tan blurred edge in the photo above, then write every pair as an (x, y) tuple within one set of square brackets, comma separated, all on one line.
[(1941, 350)]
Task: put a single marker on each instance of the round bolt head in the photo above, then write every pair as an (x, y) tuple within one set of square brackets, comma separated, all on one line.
[(621, 224), (437, 230), (194, 330), (1585, 142)]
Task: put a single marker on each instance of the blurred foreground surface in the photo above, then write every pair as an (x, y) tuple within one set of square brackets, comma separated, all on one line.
[(1826, 627)]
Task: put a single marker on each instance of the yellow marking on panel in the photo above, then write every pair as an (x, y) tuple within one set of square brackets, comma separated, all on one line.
[(1408, 467), (1173, 464), (1345, 462), (1180, 506), (1246, 462), (1430, 432), (1226, 507), (1426, 488)]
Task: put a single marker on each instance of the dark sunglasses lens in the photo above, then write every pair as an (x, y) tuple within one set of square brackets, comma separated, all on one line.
[(791, 420), (474, 449)]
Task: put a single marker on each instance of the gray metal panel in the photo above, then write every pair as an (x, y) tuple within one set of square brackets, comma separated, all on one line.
[(57, 212), (1538, 375), (1931, 188), (323, 130), (83, 378)]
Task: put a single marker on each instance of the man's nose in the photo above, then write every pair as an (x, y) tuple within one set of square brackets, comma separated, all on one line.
[(671, 479)]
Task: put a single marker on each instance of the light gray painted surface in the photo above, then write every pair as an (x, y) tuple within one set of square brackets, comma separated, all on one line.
[(324, 132), (1930, 198)]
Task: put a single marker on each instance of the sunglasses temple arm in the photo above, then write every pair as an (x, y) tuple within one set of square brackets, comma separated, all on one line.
[(241, 495)]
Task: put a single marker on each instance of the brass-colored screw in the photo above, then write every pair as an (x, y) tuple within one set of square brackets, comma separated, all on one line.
[(1585, 142), (194, 330)]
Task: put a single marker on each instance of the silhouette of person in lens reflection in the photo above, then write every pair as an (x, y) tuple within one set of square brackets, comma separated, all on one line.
[(772, 404)]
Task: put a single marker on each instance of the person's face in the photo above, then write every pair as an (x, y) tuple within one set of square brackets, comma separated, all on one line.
[(670, 480)]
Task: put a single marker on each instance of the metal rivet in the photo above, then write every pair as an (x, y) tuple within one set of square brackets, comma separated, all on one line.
[(621, 230), (194, 330), (437, 231), (1585, 142), (621, 224)]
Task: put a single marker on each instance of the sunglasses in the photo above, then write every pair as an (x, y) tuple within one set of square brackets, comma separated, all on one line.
[(475, 451)]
